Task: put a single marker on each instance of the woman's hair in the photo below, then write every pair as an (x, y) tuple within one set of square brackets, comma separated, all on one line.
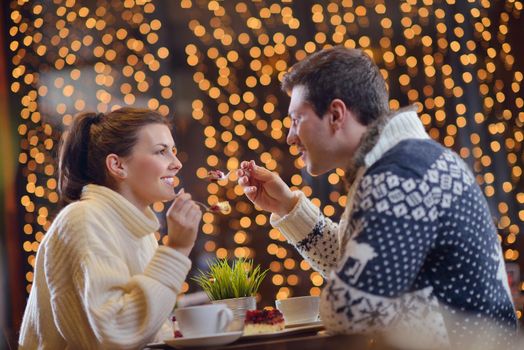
[(92, 136)]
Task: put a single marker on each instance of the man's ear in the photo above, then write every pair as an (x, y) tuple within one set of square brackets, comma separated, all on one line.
[(115, 166), (338, 114)]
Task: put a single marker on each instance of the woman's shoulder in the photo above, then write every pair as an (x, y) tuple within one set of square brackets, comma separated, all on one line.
[(77, 210), (78, 216), (77, 226)]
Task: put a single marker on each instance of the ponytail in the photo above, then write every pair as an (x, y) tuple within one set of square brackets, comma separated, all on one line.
[(74, 158), (90, 139)]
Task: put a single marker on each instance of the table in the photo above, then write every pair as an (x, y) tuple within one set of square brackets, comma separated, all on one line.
[(304, 342), (320, 340)]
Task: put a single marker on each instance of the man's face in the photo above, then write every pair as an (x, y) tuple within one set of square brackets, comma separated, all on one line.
[(311, 134)]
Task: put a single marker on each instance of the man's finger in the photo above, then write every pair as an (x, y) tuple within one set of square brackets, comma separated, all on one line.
[(261, 173), (243, 181), (251, 192)]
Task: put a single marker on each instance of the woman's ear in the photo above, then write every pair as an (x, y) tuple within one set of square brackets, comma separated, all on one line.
[(115, 166)]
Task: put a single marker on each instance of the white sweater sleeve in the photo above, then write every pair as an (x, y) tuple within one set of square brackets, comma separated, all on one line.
[(315, 236), (123, 310)]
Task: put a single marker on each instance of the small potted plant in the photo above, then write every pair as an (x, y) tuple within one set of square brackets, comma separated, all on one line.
[(234, 285)]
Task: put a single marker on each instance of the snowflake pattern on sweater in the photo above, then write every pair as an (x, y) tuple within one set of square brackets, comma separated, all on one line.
[(419, 254)]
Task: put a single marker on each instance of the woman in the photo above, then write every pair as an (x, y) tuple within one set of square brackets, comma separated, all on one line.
[(101, 280)]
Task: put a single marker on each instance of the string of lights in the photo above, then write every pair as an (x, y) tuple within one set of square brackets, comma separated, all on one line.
[(451, 58), (68, 58)]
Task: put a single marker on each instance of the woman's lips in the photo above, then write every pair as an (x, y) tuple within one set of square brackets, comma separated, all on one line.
[(169, 180)]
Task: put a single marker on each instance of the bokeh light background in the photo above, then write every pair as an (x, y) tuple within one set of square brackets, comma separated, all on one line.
[(215, 68)]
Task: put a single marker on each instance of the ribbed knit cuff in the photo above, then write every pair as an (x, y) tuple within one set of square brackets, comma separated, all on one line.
[(169, 267), (300, 221)]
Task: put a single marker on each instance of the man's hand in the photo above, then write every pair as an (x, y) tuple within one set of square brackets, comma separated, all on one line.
[(266, 189), (183, 220)]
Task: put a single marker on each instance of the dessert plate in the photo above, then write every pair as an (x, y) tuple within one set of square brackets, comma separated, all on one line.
[(315, 326), (210, 340), (301, 324)]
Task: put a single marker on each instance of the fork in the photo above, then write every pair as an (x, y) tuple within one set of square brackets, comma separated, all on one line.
[(212, 209)]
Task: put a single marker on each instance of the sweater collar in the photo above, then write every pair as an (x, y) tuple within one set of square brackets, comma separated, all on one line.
[(138, 223), (383, 134)]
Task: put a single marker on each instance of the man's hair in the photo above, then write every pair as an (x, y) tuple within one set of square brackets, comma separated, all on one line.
[(347, 74)]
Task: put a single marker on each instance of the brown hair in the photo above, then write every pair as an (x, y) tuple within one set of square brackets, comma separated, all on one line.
[(346, 74), (92, 136)]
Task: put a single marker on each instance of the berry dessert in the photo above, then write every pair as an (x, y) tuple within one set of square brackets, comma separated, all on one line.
[(263, 321), (176, 332)]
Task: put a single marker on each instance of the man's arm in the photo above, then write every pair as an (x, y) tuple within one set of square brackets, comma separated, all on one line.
[(301, 222), (315, 236)]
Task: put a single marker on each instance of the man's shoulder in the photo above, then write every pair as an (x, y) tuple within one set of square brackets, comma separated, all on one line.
[(411, 158)]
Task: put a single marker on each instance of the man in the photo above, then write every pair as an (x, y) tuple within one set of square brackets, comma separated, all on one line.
[(415, 254)]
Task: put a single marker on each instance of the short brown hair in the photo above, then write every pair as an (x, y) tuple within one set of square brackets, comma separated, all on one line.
[(90, 139), (346, 74)]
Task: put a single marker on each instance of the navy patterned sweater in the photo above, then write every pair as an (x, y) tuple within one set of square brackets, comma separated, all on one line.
[(415, 255)]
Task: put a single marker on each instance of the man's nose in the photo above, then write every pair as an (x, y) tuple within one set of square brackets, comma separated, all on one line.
[(291, 138)]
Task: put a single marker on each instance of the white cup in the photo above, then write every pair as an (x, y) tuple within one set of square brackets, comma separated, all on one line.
[(203, 320), (299, 309)]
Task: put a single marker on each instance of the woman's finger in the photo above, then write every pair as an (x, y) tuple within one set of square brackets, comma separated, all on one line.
[(196, 215), (186, 208), (180, 200)]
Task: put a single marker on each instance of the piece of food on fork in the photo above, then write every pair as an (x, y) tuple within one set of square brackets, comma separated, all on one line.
[(217, 175), (221, 207)]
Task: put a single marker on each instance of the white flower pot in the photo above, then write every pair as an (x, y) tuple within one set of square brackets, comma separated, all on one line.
[(239, 306)]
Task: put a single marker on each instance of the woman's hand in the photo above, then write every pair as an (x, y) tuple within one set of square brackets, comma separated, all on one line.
[(266, 189), (183, 220)]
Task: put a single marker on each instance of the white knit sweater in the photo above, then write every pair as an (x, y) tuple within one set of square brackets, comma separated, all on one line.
[(101, 280)]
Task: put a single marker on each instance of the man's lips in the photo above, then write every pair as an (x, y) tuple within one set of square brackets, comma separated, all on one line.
[(303, 152)]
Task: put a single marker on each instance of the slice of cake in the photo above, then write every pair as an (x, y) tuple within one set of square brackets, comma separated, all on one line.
[(263, 321)]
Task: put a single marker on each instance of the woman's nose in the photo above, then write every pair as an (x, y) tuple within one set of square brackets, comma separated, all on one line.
[(176, 164)]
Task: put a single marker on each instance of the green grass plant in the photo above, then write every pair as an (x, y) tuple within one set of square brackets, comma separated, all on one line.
[(225, 280)]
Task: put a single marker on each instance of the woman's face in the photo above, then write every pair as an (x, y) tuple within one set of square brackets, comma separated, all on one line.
[(151, 167)]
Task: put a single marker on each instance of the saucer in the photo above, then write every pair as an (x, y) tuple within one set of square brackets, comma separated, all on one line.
[(310, 328), (208, 340), (303, 323)]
